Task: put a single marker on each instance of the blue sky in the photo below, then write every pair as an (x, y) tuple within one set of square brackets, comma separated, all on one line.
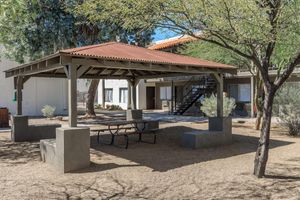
[(161, 34)]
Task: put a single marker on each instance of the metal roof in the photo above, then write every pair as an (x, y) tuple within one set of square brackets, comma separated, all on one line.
[(126, 52), (171, 43), (118, 60)]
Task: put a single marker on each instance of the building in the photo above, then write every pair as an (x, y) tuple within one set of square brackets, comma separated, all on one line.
[(171, 93), (240, 86), (37, 92), (115, 92)]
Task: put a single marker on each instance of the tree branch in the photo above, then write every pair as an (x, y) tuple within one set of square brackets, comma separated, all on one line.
[(288, 71)]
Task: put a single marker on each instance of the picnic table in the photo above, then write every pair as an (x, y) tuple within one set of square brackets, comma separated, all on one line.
[(125, 128)]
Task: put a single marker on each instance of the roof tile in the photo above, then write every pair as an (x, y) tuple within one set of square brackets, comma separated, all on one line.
[(126, 52)]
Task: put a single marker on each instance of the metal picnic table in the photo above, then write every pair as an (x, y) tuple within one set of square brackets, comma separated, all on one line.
[(121, 128)]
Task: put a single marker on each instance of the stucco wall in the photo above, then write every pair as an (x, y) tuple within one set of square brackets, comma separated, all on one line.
[(37, 92), (116, 85)]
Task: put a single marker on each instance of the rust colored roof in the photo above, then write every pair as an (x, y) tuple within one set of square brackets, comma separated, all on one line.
[(172, 42), (125, 52)]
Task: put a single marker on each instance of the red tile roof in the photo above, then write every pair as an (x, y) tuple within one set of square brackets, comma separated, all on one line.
[(126, 52), (172, 42)]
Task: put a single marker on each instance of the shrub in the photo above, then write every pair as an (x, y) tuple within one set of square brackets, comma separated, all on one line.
[(113, 107), (48, 111), (98, 106), (209, 106), (287, 108)]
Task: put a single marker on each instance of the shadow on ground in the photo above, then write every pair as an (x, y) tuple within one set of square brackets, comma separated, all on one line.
[(18, 153), (167, 154)]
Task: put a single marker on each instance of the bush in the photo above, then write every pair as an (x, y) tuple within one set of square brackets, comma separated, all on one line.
[(48, 111), (98, 106), (113, 107), (209, 106), (287, 108)]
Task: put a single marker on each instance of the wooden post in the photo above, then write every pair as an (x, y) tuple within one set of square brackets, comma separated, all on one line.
[(129, 95), (134, 86), (19, 87), (220, 85), (172, 97), (72, 94), (103, 93), (252, 96)]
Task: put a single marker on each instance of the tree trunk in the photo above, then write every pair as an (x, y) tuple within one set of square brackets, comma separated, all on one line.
[(261, 156), (90, 111), (258, 119), (259, 91)]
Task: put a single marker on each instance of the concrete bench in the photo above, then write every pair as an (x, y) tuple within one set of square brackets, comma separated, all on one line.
[(219, 133), (204, 139), (23, 132), (134, 114), (69, 151)]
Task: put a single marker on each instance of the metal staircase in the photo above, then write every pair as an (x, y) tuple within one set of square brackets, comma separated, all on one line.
[(196, 87)]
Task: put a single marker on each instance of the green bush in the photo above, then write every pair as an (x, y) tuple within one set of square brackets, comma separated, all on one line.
[(98, 106), (113, 107), (48, 111), (287, 108), (209, 106)]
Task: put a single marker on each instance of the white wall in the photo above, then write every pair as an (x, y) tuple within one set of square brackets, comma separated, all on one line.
[(116, 85), (37, 92)]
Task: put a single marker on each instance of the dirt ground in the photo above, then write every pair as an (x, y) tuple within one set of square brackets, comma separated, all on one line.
[(161, 171)]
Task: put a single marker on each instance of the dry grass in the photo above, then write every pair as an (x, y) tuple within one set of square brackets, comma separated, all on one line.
[(161, 171)]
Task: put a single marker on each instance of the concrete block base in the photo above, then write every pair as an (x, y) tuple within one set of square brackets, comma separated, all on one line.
[(204, 139), (23, 132), (220, 124), (71, 149), (48, 148), (134, 114), (219, 133)]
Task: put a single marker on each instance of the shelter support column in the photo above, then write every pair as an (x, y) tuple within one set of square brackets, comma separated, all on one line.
[(72, 95), (19, 85), (220, 87), (103, 92), (252, 96), (133, 85), (129, 95), (172, 97), (19, 88)]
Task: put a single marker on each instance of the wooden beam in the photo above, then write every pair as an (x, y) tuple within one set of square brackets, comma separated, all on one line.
[(19, 87), (72, 96), (82, 70), (148, 66), (100, 71), (220, 87)]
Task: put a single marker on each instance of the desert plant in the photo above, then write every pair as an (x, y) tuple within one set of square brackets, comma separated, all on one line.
[(114, 107), (287, 108), (48, 111), (209, 106), (98, 106)]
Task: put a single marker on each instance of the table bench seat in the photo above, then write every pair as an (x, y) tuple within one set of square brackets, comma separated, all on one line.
[(149, 127)]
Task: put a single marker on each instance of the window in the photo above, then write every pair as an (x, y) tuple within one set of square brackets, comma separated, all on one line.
[(240, 92), (108, 95), (123, 95), (165, 93)]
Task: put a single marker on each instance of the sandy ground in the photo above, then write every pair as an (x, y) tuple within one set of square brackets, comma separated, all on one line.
[(161, 171)]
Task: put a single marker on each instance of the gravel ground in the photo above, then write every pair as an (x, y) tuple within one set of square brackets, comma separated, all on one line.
[(161, 171)]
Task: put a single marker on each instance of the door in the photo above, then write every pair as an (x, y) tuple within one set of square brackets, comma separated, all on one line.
[(150, 97)]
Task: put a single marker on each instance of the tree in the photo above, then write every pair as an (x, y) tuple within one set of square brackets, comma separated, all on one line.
[(32, 29), (213, 52), (254, 30), (137, 36)]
